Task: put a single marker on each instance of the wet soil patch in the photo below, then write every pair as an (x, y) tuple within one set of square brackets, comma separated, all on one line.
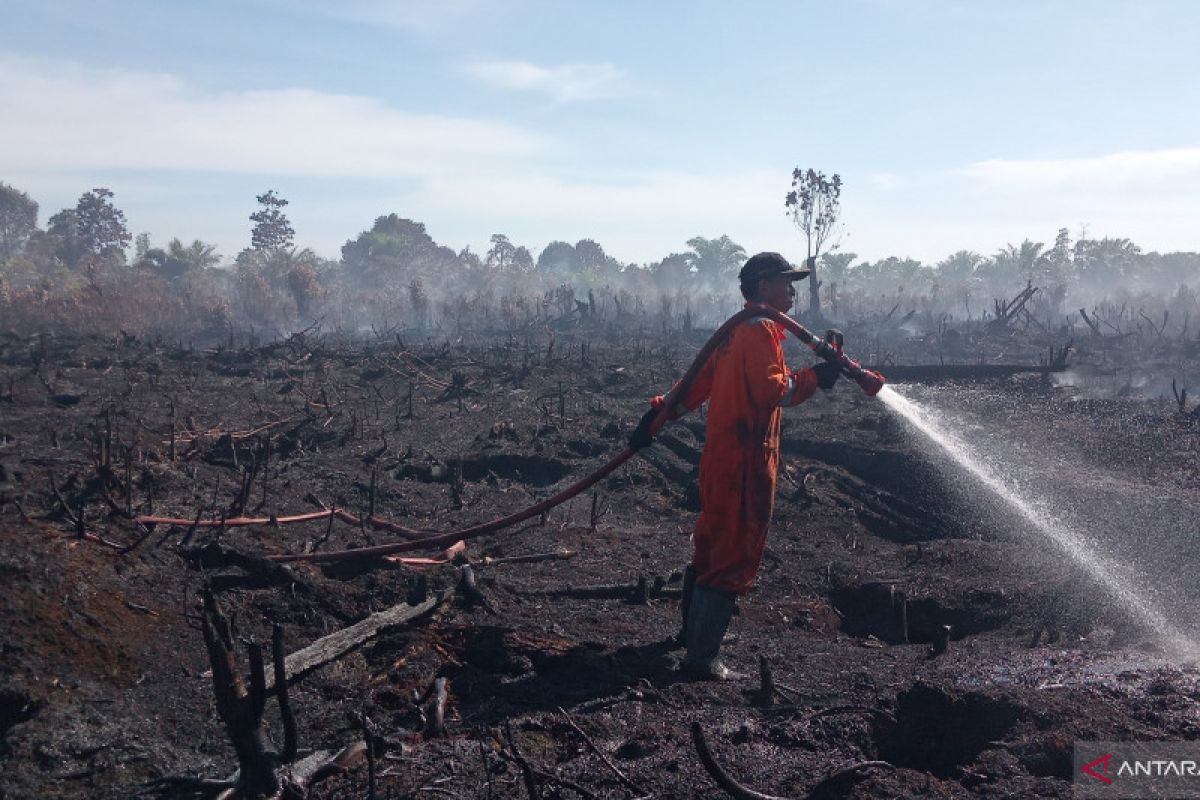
[(15, 707), (943, 731), (893, 613), (897, 494)]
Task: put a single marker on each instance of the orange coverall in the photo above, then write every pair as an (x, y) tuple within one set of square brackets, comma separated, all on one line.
[(746, 381)]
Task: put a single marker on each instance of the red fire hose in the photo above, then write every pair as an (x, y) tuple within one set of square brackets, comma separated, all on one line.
[(871, 383)]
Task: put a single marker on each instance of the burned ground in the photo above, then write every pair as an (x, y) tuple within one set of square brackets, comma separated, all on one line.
[(871, 556)]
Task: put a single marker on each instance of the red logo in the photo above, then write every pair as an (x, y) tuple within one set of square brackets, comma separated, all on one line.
[(1101, 762)]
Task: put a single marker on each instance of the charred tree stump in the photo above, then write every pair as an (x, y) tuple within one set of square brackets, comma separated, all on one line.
[(469, 589), (941, 641), (1181, 396), (241, 710), (766, 690), (435, 712)]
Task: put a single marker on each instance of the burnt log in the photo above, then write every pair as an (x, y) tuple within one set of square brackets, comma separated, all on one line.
[(341, 642)]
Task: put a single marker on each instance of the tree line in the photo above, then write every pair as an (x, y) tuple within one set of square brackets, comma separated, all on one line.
[(79, 270)]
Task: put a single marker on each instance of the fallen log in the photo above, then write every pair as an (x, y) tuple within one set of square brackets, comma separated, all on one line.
[(338, 643), (215, 555), (314, 768)]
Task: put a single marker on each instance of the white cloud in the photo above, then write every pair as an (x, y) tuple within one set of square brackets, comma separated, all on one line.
[(64, 117), (575, 81), (1123, 168), (68, 128)]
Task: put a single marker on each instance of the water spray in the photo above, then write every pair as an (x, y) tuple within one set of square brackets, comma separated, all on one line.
[(1104, 572)]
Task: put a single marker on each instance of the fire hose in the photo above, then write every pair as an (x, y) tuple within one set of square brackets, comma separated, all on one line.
[(829, 349)]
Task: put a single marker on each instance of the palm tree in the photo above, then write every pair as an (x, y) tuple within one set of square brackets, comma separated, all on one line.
[(1013, 264), (1106, 259), (960, 267), (177, 260)]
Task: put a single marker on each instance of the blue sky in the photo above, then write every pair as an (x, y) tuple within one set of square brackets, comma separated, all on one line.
[(955, 125)]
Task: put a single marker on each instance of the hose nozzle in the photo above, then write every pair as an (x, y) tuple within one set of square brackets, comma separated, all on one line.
[(870, 382)]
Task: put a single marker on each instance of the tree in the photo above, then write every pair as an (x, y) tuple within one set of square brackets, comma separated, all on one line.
[(18, 219), (141, 246), (390, 250), (959, 267), (557, 259), (502, 253), (814, 204), (672, 273), (594, 265), (469, 260), (1054, 265), (522, 259), (835, 266), (1102, 261), (178, 260), (272, 230), (716, 260), (95, 228), (63, 238)]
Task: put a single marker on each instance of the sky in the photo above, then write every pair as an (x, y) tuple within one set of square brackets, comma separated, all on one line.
[(954, 125)]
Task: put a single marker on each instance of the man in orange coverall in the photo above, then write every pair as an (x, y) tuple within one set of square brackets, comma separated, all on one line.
[(746, 382)]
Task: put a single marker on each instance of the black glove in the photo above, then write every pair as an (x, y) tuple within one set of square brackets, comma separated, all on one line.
[(641, 436), (827, 374)]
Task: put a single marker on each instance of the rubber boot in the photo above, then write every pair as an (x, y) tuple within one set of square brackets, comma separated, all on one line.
[(708, 619), (685, 603)]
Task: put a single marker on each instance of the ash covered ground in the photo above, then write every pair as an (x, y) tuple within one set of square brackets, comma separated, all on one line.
[(875, 548)]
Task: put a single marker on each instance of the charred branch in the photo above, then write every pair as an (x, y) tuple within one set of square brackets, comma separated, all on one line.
[(719, 774), (608, 762), (1005, 312), (740, 791)]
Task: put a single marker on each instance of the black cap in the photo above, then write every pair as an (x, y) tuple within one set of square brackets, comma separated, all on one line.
[(769, 265)]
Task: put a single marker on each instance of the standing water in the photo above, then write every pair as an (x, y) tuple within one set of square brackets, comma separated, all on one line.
[(1034, 510)]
